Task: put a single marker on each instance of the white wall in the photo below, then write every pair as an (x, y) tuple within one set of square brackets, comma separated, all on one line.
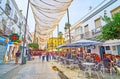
[(91, 23)]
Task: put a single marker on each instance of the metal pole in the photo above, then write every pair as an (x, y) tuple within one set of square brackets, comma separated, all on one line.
[(52, 42), (58, 36), (34, 35), (24, 41), (69, 26), (69, 31)]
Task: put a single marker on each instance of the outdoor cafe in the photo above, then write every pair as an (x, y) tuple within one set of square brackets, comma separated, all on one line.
[(88, 61)]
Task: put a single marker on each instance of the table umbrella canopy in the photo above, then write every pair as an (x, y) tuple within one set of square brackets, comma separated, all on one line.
[(47, 14), (81, 43), (87, 42), (61, 46)]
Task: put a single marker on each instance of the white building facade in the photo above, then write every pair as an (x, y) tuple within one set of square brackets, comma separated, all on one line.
[(11, 21), (91, 24)]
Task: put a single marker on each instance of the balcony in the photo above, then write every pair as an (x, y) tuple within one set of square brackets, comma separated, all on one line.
[(91, 34), (96, 31), (87, 34)]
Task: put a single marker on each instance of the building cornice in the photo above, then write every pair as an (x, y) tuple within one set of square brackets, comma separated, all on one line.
[(90, 15)]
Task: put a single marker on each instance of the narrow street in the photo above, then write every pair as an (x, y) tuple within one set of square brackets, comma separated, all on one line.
[(34, 69)]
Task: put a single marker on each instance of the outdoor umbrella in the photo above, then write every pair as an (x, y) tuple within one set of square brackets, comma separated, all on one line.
[(80, 43), (85, 42), (60, 46)]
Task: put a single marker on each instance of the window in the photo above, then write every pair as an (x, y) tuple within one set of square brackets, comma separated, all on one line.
[(8, 9), (81, 30), (0, 1), (107, 47), (15, 18), (86, 29), (114, 48), (78, 30), (13, 30), (115, 10), (97, 23)]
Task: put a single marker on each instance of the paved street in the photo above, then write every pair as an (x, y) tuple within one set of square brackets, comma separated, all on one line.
[(5, 67), (36, 69), (32, 70)]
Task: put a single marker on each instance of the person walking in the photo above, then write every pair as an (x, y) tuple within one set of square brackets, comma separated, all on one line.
[(47, 56), (43, 56), (40, 54), (17, 56)]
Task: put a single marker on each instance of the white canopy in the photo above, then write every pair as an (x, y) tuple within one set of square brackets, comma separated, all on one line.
[(47, 14)]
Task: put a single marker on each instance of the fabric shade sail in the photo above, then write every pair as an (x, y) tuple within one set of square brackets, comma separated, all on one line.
[(47, 15)]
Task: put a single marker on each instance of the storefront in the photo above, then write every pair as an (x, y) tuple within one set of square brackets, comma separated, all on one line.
[(11, 50), (3, 48)]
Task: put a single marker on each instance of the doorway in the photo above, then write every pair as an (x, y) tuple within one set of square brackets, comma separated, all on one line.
[(102, 51), (118, 49)]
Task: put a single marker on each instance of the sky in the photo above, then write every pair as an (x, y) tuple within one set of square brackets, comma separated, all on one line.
[(77, 10)]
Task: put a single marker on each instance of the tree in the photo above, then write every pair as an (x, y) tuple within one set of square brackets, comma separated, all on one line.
[(111, 30), (35, 46), (60, 34), (67, 26)]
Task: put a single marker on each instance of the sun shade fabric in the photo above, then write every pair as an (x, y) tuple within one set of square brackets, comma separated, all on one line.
[(47, 14)]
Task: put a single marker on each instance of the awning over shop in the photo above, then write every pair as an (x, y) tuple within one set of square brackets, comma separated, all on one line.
[(112, 42), (2, 39), (47, 14)]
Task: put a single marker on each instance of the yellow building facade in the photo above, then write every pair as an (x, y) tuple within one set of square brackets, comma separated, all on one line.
[(54, 42)]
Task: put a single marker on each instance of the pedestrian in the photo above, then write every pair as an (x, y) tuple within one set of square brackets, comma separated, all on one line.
[(51, 55), (40, 54), (74, 55), (47, 56), (43, 56), (17, 56)]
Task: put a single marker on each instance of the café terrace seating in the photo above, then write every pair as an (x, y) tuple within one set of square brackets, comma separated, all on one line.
[(99, 68)]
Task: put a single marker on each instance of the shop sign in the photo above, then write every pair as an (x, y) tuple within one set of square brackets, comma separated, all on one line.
[(14, 37)]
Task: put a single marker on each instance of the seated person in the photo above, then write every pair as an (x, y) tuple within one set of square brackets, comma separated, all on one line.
[(118, 63), (88, 58), (107, 62), (97, 58), (68, 55), (117, 66)]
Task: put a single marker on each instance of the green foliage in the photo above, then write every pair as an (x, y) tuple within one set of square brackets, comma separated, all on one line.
[(35, 46), (67, 25), (20, 11), (60, 34), (112, 28)]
